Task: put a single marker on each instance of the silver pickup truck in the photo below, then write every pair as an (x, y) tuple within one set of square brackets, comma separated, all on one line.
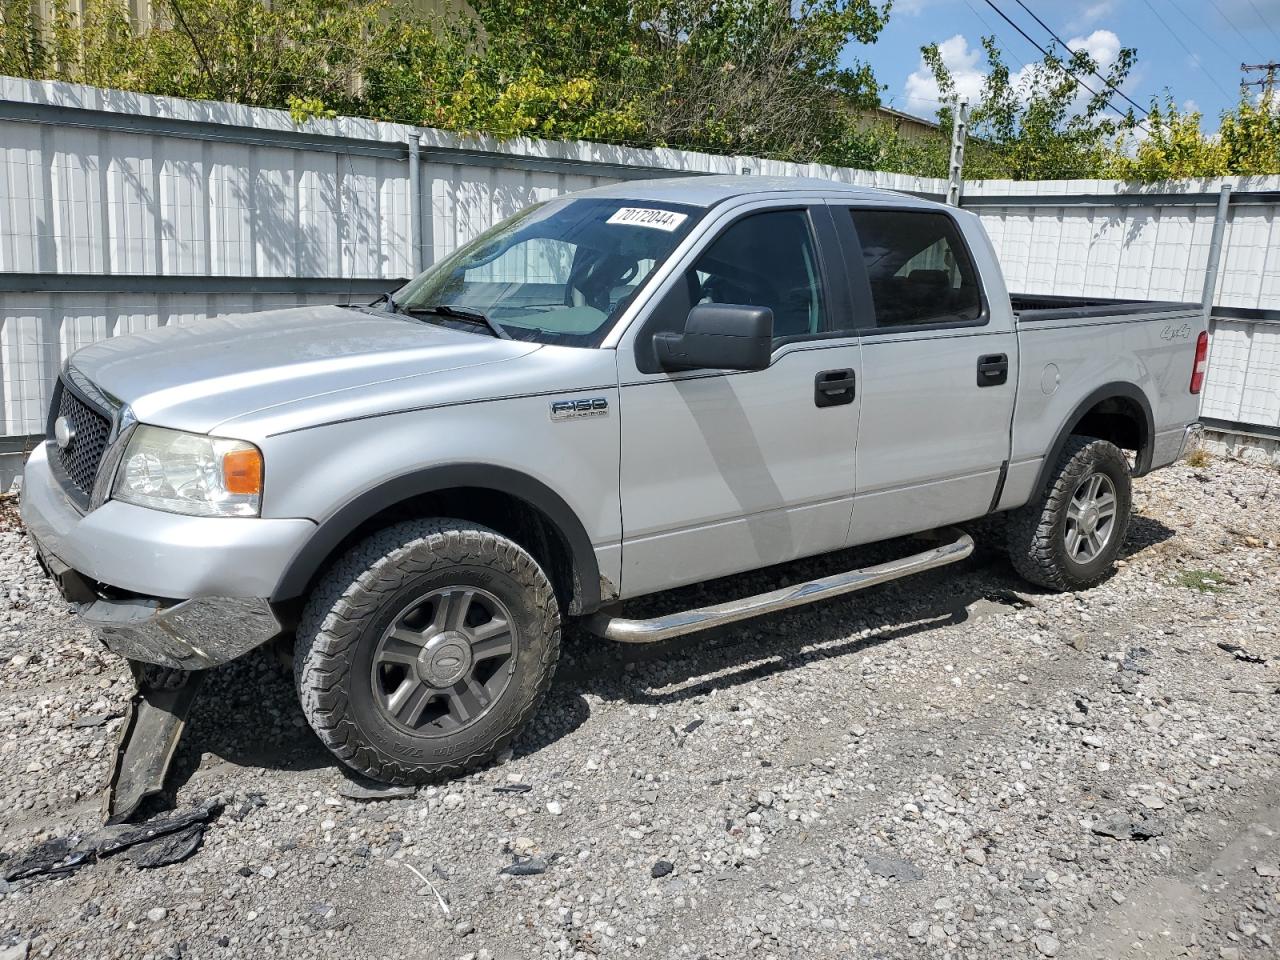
[(608, 395)]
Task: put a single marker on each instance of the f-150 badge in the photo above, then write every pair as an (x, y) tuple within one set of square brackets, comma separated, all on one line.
[(576, 409)]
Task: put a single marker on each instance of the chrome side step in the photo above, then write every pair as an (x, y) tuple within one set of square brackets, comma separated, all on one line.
[(702, 618)]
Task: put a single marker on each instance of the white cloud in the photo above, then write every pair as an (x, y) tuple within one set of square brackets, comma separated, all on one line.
[(911, 8), (921, 89), (1091, 14), (1102, 45), (966, 64)]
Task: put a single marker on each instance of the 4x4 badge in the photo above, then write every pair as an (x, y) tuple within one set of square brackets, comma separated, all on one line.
[(575, 409)]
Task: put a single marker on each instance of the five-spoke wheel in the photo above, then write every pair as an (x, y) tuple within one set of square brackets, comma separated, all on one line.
[(444, 660), (1068, 537), (426, 648), (1091, 518)]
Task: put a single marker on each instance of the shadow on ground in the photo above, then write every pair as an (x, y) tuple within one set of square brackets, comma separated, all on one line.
[(248, 712)]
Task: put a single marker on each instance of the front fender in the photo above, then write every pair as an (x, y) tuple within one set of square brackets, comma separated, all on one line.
[(368, 504)]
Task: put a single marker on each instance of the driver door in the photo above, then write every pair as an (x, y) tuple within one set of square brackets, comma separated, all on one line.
[(724, 471)]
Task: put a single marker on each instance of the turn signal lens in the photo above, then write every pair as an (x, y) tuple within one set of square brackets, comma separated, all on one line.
[(1202, 362), (242, 471)]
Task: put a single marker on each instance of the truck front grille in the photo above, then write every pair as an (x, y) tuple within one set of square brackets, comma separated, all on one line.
[(80, 458)]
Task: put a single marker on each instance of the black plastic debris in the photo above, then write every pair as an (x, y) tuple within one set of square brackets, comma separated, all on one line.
[(661, 869), (369, 790), (512, 788), (159, 827), (527, 867), (693, 724), (170, 848), (1241, 654), (59, 857), (63, 856)]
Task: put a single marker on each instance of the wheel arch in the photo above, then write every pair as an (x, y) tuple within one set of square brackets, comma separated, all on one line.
[(1118, 412), (513, 503)]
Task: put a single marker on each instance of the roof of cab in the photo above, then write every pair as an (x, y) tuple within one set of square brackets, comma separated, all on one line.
[(704, 191)]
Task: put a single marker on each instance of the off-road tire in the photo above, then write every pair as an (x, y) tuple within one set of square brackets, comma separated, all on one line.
[(347, 613), (1035, 532)]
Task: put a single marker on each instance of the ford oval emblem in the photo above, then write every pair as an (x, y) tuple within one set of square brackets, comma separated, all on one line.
[(64, 432)]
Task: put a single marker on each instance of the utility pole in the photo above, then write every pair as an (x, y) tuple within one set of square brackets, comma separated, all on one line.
[(959, 133), (1266, 82)]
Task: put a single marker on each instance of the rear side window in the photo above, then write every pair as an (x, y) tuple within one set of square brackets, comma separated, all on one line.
[(918, 268)]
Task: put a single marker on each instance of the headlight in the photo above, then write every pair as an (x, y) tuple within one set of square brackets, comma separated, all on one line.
[(189, 473)]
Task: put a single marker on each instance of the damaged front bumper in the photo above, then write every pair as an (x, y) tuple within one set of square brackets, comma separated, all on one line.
[(187, 635), (132, 572), (181, 634)]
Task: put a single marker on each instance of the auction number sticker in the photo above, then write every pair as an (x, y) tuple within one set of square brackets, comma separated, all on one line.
[(648, 217)]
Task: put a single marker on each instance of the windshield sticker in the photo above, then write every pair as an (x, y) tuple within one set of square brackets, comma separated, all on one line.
[(648, 217)]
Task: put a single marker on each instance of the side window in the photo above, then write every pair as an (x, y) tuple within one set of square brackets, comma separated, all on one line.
[(918, 268), (765, 260)]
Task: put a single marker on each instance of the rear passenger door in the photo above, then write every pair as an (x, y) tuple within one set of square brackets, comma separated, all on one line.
[(938, 384)]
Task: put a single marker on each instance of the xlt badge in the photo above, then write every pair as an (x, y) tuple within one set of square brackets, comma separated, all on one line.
[(575, 409)]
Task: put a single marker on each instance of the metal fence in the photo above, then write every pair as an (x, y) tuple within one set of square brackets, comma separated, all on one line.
[(121, 212), (1112, 239)]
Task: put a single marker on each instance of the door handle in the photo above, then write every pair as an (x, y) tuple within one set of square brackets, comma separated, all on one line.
[(834, 387), (993, 369)]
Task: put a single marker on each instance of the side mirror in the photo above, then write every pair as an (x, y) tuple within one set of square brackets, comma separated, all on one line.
[(719, 336)]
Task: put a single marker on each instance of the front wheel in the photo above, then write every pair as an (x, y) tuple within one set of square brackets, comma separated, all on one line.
[(1069, 537), (425, 649)]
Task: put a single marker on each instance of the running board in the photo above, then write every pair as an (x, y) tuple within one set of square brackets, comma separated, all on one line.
[(703, 618)]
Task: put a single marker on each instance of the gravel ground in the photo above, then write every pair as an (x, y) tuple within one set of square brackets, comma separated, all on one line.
[(939, 767)]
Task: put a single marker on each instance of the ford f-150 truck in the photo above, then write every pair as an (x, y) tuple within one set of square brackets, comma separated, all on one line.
[(608, 395)]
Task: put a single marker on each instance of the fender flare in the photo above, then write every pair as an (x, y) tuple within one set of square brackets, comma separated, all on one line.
[(1108, 391), (339, 525)]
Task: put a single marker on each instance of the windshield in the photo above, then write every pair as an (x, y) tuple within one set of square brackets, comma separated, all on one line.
[(559, 272)]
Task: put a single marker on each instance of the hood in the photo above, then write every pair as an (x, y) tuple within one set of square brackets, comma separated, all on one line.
[(197, 376)]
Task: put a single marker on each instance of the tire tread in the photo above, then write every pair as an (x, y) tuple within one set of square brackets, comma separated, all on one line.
[(353, 589), (1032, 540)]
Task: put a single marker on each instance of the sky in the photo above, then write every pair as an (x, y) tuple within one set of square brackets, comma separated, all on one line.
[(1190, 48)]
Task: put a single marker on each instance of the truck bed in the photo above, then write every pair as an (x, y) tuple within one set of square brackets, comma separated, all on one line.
[(1073, 352), (1030, 308)]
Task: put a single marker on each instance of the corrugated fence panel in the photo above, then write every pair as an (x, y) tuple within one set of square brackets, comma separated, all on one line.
[(1224, 382), (1260, 399), (99, 183)]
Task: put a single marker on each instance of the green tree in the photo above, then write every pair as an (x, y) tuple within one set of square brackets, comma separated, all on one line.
[(1247, 142), (1251, 135), (756, 76), (304, 52), (1046, 125), (1173, 148)]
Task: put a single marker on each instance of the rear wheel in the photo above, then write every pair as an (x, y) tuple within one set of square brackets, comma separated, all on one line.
[(1069, 537), (425, 650)]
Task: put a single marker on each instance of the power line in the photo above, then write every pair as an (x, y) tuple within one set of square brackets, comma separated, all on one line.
[(1199, 29), (1110, 85), (1264, 21), (1194, 57), (1027, 37), (992, 30), (1223, 14)]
